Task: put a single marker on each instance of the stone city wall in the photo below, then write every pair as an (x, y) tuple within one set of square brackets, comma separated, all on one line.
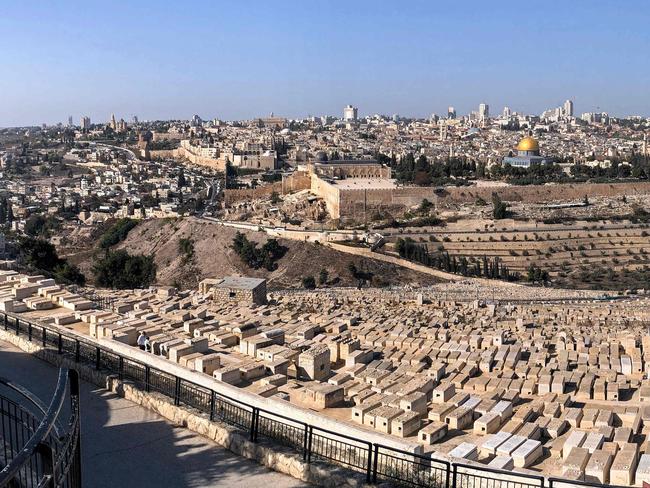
[(218, 164), (544, 193), (242, 195)]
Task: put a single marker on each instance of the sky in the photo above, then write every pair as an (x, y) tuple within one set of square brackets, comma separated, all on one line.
[(245, 58)]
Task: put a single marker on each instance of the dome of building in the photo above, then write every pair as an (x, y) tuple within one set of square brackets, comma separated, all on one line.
[(528, 143)]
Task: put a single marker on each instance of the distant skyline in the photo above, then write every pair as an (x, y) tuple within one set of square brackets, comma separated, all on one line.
[(240, 60)]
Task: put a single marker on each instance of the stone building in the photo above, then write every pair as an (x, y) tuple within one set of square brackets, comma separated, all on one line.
[(314, 363), (235, 289)]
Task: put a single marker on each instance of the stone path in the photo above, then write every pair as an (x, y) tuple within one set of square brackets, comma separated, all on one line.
[(128, 446)]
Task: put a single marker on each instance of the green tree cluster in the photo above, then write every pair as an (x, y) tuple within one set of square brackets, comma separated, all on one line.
[(308, 282), (258, 257), (186, 249), (40, 226), (485, 267), (117, 232), (40, 255), (119, 269), (537, 275), (499, 207)]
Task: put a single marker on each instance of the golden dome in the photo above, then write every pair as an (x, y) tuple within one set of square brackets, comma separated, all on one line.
[(528, 143)]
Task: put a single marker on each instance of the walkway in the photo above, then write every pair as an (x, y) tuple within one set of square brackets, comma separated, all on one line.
[(128, 446)]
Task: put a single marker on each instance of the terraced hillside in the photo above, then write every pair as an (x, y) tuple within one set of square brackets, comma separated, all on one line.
[(602, 255)]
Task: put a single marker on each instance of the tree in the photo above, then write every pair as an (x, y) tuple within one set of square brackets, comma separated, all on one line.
[(38, 253), (323, 275), (117, 232), (69, 273), (308, 282), (3, 210), (38, 225), (186, 248), (500, 208), (120, 270), (256, 257)]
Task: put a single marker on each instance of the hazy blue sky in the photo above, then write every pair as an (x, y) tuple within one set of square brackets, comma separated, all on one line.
[(241, 59)]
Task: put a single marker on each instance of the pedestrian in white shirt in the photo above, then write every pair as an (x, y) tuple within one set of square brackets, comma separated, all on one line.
[(142, 340)]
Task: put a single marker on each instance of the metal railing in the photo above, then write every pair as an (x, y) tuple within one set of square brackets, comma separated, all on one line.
[(377, 462), (39, 447)]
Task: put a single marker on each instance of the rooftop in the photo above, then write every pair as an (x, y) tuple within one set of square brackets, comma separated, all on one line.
[(239, 282)]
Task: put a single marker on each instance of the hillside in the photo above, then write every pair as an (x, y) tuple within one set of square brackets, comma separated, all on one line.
[(214, 257)]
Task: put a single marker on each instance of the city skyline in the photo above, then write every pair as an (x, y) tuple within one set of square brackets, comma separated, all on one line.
[(162, 61)]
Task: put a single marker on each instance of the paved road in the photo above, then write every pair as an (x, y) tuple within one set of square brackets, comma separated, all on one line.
[(127, 446)]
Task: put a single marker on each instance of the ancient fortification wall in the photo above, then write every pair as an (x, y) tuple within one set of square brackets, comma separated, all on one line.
[(544, 193)]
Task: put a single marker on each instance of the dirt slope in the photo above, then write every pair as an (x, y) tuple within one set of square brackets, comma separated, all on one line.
[(213, 257)]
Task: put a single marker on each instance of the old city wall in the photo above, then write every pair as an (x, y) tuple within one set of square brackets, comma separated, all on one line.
[(242, 195), (163, 154), (296, 182), (218, 164), (544, 193), (300, 180), (328, 192), (360, 204)]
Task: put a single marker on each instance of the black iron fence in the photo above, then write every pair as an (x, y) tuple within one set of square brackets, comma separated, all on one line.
[(40, 448), (378, 463)]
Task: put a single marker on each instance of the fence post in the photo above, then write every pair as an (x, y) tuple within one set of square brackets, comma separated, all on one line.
[(212, 395), (60, 344), (6, 322), (455, 472), (305, 442), (17, 322), (177, 392), (29, 331), (309, 443), (77, 350), (120, 372), (254, 414), (147, 377), (98, 357), (375, 462), (448, 475), (44, 337)]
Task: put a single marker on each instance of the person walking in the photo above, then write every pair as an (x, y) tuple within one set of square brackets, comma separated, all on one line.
[(142, 340)]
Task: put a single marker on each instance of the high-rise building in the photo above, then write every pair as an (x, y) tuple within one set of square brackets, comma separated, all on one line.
[(113, 122), (484, 111), (135, 119), (568, 108), (507, 112), (350, 113), (85, 122), (451, 112), (196, 121), (69, 120)]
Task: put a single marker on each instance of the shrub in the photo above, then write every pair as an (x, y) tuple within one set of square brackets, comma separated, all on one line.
[(186, 248), (308, 282), (255, 257), (117, 233), (323, 275), (121, 270)]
